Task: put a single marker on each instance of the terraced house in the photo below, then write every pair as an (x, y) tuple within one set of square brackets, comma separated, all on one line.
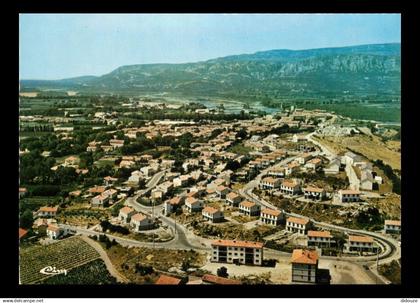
[(238, 252)]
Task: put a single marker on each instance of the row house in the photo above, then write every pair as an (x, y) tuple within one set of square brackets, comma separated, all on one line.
[(319, 239), (290, 187), (237, 252), (297, 225), (314, 193), (249, 208), (392, 226), (269, 183), (212, 214), (233, 199), (360, 244), (304, 266), (271, 216), (348, 195)]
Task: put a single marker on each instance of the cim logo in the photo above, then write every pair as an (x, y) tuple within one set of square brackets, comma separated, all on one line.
[(52, 270)]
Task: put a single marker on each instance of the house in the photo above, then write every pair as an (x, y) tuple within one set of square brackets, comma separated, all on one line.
[(126, 163), (276, 172), (366, 179), (319, 238), (302, 159), (304, 265), (22, 233), (40, 225), (297, 225), (271, 216), (116, 143), (238, 252), (96, 190), (212, 279), (125, 214), (269, 183), (291, 168), (22, 191), (348, 195), (314, 193), (333, 167), (233, 199), (171, 205), (181, 180), (360, 244), (222, 191), (313, 164), (296, 138), (54, 232), (147, 171), (193, 204), (72, 160), (167, 280), (109, 181), (249, 208), (350, 158), (290, 187), (47, 211), (392, 226), (212, 214), (135, 177), (141, 222)]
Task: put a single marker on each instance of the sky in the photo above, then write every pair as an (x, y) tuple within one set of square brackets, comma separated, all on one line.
[(57, 46)]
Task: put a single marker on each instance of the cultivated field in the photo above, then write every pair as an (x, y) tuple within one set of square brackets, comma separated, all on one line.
[(65, 254)]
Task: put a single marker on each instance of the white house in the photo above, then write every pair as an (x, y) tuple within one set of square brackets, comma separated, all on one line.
[(212, 214), (249, 208), (269, 183), (297, 225), (125, 214), (47, 211), (271, 216), (193, 204), (348, 195), (54, 232), (290, 187), (233, 199), (171, 205), (319, 238), (141, 222), (313, 164), (314, 193), (392, 226), (360, 244)]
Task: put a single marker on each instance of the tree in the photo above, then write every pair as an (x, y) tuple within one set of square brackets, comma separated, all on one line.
[(222, 272), (26, 219)]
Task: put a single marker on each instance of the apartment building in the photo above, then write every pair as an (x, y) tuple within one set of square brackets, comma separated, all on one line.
[(319, 239), (304, 265), (235, 251)]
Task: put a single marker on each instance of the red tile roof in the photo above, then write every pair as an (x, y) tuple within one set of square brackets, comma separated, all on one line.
[(126, 210), (315, 233), (393, 222), (303, 256), (167, 280), (237, 243), (349, 192), (272, 212), (313, 189), (22, 233), (219, 280), (303, 221), (247, 204), (363, 239)]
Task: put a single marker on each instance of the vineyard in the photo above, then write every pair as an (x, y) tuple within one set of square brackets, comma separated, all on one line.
[(65, 254), (92, 273)]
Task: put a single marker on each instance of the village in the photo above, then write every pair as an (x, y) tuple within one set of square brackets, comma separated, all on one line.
[(240, 196)]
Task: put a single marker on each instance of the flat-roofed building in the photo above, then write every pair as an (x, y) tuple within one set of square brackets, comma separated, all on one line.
[(304, 265), (235, 251)]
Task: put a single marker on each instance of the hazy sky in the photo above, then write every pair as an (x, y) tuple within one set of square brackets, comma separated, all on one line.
[(55, 46)]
